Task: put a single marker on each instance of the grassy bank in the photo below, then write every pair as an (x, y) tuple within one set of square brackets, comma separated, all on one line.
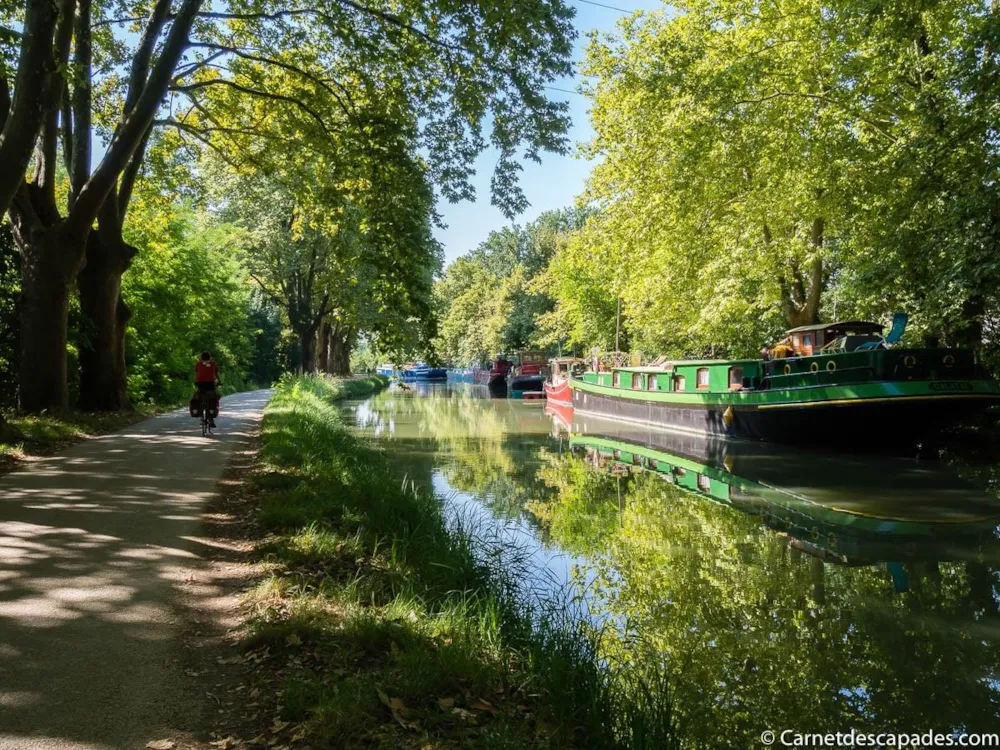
[(24, 436), (406, 637)]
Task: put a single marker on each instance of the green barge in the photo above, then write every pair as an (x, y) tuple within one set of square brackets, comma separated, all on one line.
[(841, 385)]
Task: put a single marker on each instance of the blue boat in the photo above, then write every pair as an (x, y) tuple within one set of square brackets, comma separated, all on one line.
[(386, 371), (461, 376), (422, 373)]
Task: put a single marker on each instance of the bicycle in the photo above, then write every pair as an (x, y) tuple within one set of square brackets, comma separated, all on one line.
[(207, 410)]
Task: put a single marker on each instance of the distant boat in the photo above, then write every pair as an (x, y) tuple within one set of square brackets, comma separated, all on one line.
[(527, 381), (836, 384), (422, 373), (494, 376), (386, 371), (460, 375)]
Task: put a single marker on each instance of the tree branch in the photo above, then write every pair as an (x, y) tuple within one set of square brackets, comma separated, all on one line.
[(190, 87), (137, 121), (36, 70), (79, 146)]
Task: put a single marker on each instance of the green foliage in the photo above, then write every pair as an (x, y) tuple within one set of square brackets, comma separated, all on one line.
[(490, 300), (188, 293)]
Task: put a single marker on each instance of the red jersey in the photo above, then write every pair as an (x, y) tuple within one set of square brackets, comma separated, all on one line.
[(206, 372)]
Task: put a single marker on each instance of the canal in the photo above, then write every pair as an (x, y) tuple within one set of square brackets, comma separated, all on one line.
[(778, 589)]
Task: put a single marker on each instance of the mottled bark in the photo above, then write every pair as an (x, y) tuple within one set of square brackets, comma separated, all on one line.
[(103, 375), (50, 260), (307, 346), (341, 344), (802, 289)]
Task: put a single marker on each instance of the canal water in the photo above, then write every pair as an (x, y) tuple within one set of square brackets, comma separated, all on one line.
[(781, 589)]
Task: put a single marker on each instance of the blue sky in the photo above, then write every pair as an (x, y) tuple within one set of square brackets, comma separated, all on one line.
[(558, 179)]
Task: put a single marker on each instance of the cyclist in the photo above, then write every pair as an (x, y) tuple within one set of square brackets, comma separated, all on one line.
[(206, 378)]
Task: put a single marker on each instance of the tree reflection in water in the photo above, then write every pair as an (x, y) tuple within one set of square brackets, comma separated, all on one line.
[(770, 611)]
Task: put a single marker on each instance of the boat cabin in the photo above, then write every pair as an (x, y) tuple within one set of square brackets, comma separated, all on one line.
[(844, 336), (531, 363), (563, 367)]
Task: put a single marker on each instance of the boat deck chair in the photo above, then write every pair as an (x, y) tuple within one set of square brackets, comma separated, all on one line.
[(895, 334)]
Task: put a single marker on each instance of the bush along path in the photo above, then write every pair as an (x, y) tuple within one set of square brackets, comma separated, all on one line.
[(394, 633)]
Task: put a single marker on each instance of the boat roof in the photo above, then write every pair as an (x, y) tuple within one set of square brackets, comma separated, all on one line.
[(681, 362), (838, 324), (567, 360)]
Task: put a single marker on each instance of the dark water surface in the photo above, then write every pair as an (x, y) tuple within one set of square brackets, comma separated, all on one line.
[(782, 589)]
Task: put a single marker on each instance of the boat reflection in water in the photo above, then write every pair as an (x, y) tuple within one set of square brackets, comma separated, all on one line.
[(847, 510)]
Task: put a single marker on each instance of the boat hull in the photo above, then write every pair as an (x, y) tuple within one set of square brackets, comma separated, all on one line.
[(559, 393), (527, 387), (428, 375), (892, 415)]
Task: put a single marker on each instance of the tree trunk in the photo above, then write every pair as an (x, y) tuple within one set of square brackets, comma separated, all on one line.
[(50, 261), (307, 345), (324, 346), (801, 297), (103, 377), (340, 351)]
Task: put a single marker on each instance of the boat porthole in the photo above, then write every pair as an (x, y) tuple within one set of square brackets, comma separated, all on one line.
[(909, 360), (788, 369), (948, 361), (814, 367), (831, 365)]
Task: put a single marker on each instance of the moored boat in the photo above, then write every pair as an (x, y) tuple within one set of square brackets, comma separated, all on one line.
[(557, 388), (527, 381), (843, 385), (422, 373), (386, 371)]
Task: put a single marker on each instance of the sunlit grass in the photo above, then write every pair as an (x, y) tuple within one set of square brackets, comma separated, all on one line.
[(384, 596), (31, 435)]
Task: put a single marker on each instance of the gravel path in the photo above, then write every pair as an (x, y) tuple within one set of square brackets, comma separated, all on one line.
[(99, 550)]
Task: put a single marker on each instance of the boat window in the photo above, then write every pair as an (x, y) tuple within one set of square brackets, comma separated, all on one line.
[(678, 382), (636, 381), (735, 377), (703, 377), (617, 379), (651, 383), (704, 483), (807, 340)]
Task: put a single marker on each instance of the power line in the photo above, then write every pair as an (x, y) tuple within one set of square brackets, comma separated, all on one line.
[(602, 5), (565, 91)]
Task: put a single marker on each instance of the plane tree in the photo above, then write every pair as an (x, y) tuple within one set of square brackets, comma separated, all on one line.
[(471, 73)]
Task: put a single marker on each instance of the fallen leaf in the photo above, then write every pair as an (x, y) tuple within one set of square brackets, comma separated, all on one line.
[(448, 702), (230, 660), (226, 743), (480, 704), (383, 697), (161, 745), (293, 640), (278, 725)]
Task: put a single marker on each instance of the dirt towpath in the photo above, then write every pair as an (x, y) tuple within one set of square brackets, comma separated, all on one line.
[(96, 545)]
